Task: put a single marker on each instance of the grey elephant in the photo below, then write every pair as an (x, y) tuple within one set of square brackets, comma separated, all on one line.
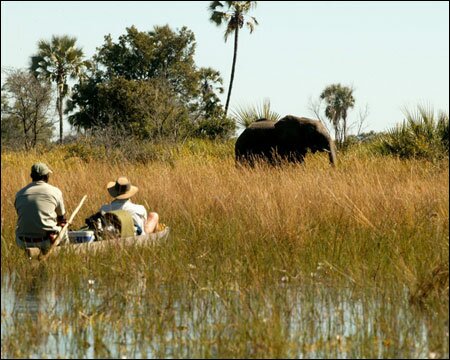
[(288, 139)]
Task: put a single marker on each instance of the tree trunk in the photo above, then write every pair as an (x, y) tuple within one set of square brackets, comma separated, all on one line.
[(236, 35), (25, 133), (35, 131), (344, 128), (336, 129), (60, 112)]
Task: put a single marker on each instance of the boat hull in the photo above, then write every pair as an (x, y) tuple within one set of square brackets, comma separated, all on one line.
[(92, 247)]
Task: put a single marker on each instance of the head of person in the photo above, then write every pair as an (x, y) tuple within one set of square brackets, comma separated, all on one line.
[(121, 189), (40, 171)]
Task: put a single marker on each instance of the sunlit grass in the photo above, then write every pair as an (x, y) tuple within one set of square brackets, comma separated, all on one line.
[(377, 225)]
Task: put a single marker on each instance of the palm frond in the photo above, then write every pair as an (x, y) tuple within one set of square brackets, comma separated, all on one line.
[(217, 17), (215, 4), (246, 115), (251, 26)]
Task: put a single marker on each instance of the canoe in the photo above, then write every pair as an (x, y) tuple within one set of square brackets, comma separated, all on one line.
[(117, 244)]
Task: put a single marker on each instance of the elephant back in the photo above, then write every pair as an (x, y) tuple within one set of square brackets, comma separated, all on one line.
[(301, 129), (262, 124)]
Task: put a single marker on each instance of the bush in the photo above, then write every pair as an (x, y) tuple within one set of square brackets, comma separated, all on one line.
[(85, 151), (422, 135), (215, 128)]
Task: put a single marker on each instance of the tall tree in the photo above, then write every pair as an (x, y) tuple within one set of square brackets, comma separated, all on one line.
[(157, 54), (151, 62), (234, 17), (160, 53), (57, 60), (25, 106), (209, 103), (338, 99)]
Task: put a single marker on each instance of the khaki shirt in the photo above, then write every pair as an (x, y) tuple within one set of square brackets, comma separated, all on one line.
[(37, 206)]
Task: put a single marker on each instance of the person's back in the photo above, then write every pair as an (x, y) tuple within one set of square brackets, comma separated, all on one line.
[(40, 210), (138, 212), (122, 191), (38, 205)]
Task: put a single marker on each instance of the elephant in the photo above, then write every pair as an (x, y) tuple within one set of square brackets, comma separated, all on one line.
[(287, 139)]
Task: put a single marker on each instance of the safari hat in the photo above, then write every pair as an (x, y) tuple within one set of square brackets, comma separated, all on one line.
[(40, 169), (121, 188)]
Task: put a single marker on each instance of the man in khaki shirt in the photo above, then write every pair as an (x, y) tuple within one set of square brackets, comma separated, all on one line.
[(40, 210)]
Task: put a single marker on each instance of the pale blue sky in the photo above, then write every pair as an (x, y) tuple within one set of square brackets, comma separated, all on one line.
[(394, 54)]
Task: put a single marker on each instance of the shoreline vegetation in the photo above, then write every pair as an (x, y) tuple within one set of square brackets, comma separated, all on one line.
[(375, 225)]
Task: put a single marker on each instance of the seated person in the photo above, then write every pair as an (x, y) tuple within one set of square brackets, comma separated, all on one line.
[(40, 210), (122, 191)]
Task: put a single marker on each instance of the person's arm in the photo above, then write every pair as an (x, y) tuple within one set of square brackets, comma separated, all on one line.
[(60, 211), (143, 216)]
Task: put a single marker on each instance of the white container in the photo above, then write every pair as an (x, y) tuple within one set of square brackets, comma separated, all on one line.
[(81, 236)]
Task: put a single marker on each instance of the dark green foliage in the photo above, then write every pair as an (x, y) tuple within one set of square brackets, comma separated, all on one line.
[(85, 99), (147, 85), (160, 53), (209, 103), (214, 128), (146, 109)]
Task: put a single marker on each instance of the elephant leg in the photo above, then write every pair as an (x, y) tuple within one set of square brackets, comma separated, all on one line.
[(293, 156), (299, 158), (248, 159)]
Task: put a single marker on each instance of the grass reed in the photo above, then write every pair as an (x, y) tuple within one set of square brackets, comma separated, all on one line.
[(375, 225)]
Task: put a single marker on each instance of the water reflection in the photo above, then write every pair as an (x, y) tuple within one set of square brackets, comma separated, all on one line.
[(30, 291), (94, 320), (25, 304)]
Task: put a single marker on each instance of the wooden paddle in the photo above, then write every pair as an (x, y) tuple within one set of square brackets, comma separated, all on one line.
[(63, 231)]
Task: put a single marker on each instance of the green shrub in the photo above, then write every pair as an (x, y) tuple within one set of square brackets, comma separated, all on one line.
[(421, 135), (215, 128)]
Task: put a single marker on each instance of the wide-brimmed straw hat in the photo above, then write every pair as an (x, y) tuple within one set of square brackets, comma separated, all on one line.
[(121, 188)]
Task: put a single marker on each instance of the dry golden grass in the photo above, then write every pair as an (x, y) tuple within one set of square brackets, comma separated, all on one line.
[(370, 217), (376, 225)]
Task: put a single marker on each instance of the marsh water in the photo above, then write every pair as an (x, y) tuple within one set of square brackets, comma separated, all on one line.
[(45, 318)]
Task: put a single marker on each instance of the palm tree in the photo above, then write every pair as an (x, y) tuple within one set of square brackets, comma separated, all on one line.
[(56, 61), (338, 99), (234, 17)]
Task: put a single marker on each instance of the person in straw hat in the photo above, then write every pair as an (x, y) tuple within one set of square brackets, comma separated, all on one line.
[(40, 210), (122, 191)]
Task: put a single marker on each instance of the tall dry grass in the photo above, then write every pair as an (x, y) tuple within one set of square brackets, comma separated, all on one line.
[(370, 221), (295, 261)]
